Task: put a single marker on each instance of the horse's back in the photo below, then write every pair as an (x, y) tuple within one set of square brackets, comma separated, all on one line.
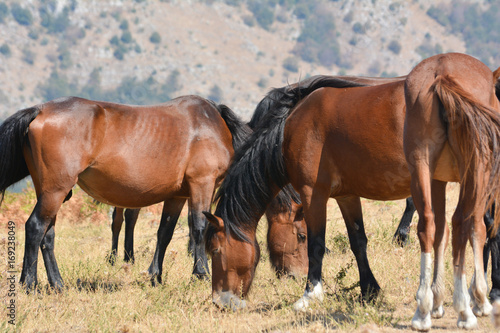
[(131, 156), (351, 135)]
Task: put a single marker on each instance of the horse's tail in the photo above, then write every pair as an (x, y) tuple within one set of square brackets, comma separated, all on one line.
[(476, 129), (258, 170), (239, 129), (13, 132)]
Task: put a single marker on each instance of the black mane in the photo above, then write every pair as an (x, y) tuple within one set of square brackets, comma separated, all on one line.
[(258, 170)]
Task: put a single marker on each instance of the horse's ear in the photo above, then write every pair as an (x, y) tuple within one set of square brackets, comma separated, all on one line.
[(496, 74), (217, 222)]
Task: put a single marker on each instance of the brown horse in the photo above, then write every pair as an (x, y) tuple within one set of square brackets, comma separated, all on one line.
[(452, 133), (327, 143), (340, 143), (173, 152)]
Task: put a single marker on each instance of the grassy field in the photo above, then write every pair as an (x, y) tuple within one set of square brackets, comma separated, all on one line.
[(104, 298)]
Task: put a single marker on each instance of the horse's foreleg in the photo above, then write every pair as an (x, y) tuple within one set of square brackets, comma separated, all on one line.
[(440, 244), (353, 217), (403, 231), (131, 216), (116, 227), (315, 217), (171, 210), (495, 267), (492, 246), (47, 247), (199, 201)]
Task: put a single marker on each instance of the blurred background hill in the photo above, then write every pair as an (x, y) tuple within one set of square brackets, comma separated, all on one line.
[(232, 51)]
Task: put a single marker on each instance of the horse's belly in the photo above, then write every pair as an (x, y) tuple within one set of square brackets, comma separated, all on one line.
[(131, 191), (447, 167)]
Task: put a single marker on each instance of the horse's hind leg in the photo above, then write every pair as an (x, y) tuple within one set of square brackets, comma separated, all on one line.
[(440, 243), (461, 227), (116, 227), (131, 216), (477, 237), (47, 247), (353, 217), (494, 244), (403, 231), (36, 228), (171, 210)]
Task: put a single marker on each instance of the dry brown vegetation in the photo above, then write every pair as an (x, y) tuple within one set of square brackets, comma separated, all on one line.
[(102, 298)]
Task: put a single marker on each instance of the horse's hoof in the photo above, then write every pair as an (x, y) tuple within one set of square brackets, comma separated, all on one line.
[(302, 304), (419, 323), (482, 311), (467, 321), (203, 277), (438, 312)]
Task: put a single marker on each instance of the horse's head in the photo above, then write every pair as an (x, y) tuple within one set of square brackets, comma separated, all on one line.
[(233, 263), (287, 240)]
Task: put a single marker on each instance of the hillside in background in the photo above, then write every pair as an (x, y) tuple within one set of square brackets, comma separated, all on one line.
[(232, 51)]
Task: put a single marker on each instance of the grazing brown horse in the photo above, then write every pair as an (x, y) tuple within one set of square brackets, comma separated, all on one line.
[(452, 133), (340, 143), (326, 142), (127, 156)]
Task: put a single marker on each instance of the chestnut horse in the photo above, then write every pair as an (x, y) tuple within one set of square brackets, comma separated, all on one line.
[(452, 133), (327, 143), (127, 156)]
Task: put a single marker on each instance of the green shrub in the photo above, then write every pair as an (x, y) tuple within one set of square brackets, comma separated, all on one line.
[(114, 40), (28, 56), (126, 37), (317, 41), (5, 50), (124, 25), (22, 15), (262, 13), (358, 28), (291, 64), (215, 94), (394, 46), (4, 11), (56, 86), (155, 38)]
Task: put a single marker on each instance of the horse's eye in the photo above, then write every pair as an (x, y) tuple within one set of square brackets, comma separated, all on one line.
[(302, 237), (215, 251)]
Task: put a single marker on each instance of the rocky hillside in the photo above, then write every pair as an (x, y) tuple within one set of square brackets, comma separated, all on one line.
[(212, 48)]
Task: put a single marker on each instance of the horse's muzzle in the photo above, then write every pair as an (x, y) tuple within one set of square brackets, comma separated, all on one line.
[(227, 300)]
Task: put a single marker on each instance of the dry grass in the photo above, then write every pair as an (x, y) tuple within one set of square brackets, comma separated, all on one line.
[(103, 298)]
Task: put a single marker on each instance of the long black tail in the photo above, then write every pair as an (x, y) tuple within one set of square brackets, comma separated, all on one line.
[(239, 129), (13, 131), (258, 169)]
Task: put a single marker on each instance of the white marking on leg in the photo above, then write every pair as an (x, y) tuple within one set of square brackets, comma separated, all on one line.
[(315, 295), (461, 301), (478, 286), (422, 319), (438, 288)]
